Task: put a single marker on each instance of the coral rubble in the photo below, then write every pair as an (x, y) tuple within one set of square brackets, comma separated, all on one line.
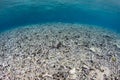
[(59, 51)]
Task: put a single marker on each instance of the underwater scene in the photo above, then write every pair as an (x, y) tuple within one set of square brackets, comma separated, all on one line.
[(59, 40)]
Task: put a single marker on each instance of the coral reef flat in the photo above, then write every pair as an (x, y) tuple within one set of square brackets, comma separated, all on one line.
[(59, 51)]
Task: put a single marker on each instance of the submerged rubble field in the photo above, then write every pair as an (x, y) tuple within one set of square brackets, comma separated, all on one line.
[(59, 51)]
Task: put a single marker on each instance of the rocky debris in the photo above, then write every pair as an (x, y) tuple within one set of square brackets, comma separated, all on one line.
[(99, 74), (73, 74), (95, 49), (117, 43), (59, 51)]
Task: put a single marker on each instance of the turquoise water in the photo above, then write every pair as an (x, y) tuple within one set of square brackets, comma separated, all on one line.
[(14, 13), (69, 45)]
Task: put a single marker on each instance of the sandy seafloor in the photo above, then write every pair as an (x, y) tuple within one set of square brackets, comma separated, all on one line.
[(59, 51)]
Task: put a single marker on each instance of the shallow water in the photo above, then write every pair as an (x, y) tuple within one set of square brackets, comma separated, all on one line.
[(59, 40), (24, 12)]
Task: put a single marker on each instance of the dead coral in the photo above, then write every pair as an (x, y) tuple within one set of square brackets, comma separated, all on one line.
[(59, 51)]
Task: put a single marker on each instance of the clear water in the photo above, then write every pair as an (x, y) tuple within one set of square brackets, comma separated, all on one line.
[(14, 13)]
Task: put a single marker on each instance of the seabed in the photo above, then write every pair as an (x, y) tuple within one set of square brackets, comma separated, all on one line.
[(59, 51)]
